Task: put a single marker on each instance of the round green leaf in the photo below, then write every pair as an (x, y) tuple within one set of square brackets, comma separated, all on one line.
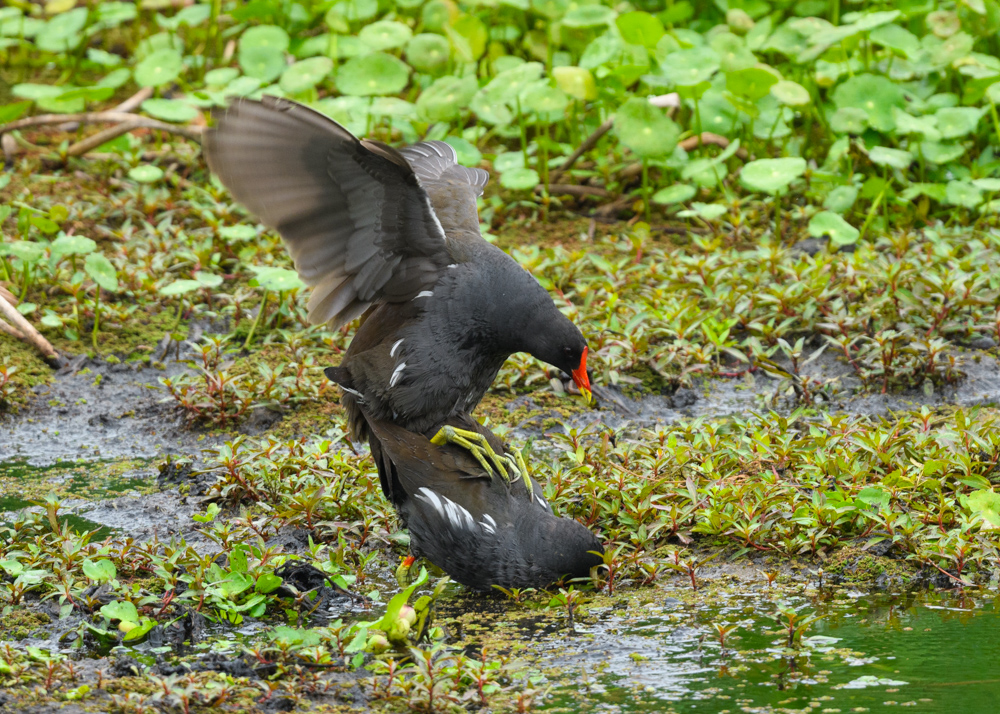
[(263, 63), (841, 199), (25, 250), (791, 93), (963, 193), (753, 83), (678, 193), (101, 271), (938, 152), (849, 120), (577, 82), (640, 28), (508, 161), (733, 52), (208, 280), (146, 173), (305, 74), (221, 77), (468, 36), (687, 68), (646, 129), (277, 279), (169, 110), (772, 175), (445, 98), (828, 223), (159, 68), (893, 158), (179, 287), (428, 53), (436, 15), (955, 122), (265, 36), (874, 95), (583, 16), (519, 179), (373, 74), (71, 245), (547, 103), (385, 35)]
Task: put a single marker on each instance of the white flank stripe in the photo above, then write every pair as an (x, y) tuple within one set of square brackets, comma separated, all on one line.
[(432, 498), (392, 352), (425, 293), (396, 374), (487, 527)]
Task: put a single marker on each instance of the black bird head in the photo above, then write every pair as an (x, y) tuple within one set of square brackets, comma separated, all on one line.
[(552, 338)]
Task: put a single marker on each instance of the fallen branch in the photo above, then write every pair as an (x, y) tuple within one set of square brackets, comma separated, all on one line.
[(568, 189), (4, 327), (28, 333), (100, 138), (109, 117), (135, 101), (589, 143)]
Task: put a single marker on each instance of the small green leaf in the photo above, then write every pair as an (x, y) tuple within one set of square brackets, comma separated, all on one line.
[(963, 193), (305, 74), (893, 158), (101, 271), (179, 287), (267, 583), (772, 175), (158, 68), (172, 110), (646, 129), (678, 193), (375, 74), (146, 173), (522, 179), (840, 232), (117, 610), (277, 279), (791, 93)]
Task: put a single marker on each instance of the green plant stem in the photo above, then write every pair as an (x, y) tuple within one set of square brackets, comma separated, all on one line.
[(645, 188), (996, 120), (256, 321), (871, 214), (97, 318)]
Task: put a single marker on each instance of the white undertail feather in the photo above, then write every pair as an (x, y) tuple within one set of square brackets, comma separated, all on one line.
[(395, 346)]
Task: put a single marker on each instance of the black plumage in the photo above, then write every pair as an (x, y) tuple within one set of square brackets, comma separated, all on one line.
[(394, 235), (480, 529)]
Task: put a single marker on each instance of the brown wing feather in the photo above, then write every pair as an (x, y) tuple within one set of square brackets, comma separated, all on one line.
[(358, 224)]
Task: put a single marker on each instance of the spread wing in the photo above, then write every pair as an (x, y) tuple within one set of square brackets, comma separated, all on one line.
[(360, 226)]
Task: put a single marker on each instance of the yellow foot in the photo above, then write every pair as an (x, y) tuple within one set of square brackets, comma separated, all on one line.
[(509, 467)]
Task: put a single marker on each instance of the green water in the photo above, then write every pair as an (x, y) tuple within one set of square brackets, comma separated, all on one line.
[(927, 653)]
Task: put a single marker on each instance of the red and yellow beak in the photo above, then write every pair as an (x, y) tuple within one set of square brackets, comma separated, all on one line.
[(581, 378)]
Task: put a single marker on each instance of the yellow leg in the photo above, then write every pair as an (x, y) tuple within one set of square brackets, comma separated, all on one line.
[(509, 468)]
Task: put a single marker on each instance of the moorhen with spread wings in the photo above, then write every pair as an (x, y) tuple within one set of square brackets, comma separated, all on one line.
[(393, 235)]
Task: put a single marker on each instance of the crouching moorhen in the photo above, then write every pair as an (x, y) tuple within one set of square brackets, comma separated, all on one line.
[(393, 235), (479, 528)]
